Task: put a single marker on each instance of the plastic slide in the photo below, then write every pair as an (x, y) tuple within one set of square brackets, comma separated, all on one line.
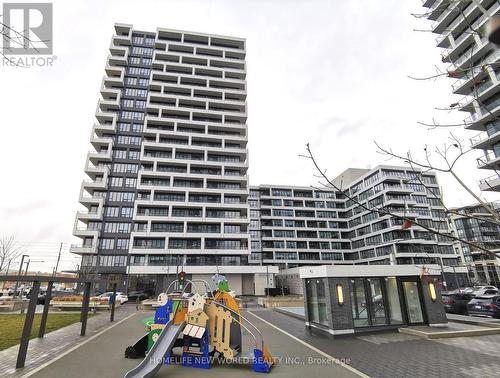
[(156, 356)]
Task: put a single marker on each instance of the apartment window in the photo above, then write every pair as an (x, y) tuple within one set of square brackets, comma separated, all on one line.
[(232, 229), (117, 227), (131, 140), (169, 197), (120, 196), (167, 227), (184, 243), (120, 154), (223, 213), (106, 243), (122, 243), (153, 211), (136, 50), (282, 213), (125, 114), (130, 182), (130, 80), (126, 212), (281, 192), (134, 155), (331, 256), (222, 244), (149, 243), (284, 233), (326, 214), (116, 181), (112, 260), (212, 228), (138, 71), (111, 211), (125, 168), (180, 212)]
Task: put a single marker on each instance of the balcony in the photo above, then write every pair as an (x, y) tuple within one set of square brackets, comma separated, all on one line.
[(488, 161), (81, 249), (486, 139), (89, 215), (447, 12), (472, 54), (490, 184)]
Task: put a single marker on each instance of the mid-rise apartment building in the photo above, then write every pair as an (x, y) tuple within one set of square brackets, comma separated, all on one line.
[(471, 224), (475, 67), (297, 226), (168, 181)]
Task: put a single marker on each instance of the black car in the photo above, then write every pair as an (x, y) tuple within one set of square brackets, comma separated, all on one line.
[(139, 295), (55, 293), (485, 305), (455, 302)]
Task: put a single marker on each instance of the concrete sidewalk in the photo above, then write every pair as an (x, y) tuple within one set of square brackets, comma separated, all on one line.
[(54, 343), (103, 356)]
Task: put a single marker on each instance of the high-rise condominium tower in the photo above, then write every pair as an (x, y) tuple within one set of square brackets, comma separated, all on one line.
[(475, 67), (168, 181)]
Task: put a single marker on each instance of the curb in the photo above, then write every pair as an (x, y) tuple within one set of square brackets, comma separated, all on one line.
[(449, 334)]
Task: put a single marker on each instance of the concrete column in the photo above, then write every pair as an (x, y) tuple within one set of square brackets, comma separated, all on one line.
[(434, 310), (341, 321)]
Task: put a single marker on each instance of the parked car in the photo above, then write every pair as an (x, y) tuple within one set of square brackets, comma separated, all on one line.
[(121, 298), (484, 290), (55, 293), (455, 302), (138, 295), (486, 305)]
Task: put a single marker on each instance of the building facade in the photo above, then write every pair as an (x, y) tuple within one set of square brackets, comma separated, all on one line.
[(299, 226), (168, 186), (168, 181), (475, 67), (472, 224)]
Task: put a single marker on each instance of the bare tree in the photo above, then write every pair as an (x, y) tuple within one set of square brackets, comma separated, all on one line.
[(9, 251)]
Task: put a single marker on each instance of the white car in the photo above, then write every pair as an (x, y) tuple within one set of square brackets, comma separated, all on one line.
[(121, 298), (484, 290)]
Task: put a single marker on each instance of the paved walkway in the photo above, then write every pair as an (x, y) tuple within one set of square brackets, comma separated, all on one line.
[(103, 357), (54, 343), (397, 355)]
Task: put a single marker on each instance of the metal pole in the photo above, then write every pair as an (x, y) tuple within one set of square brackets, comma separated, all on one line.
[(28, 323), (128, 274), (45, 313), (442, 273), (19, 274), (267, 279), (58, 259), (6, 273), (85, 308), (27, 266), (455, 276), (113, 302)]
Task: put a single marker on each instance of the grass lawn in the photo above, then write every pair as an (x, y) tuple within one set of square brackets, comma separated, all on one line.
[(11, 326)]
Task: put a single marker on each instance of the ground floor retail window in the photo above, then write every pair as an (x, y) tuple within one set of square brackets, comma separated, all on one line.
[(316, 301)]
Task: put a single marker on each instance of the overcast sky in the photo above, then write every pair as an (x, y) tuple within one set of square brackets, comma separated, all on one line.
[(332, 73)]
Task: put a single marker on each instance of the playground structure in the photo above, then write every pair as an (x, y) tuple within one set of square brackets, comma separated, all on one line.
[(201, 325)]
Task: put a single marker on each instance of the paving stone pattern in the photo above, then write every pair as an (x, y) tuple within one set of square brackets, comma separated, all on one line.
[(398, 355), (42, 350)]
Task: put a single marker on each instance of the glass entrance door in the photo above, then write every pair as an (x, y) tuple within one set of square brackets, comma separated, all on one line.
[(413, 303), (377, 302)]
